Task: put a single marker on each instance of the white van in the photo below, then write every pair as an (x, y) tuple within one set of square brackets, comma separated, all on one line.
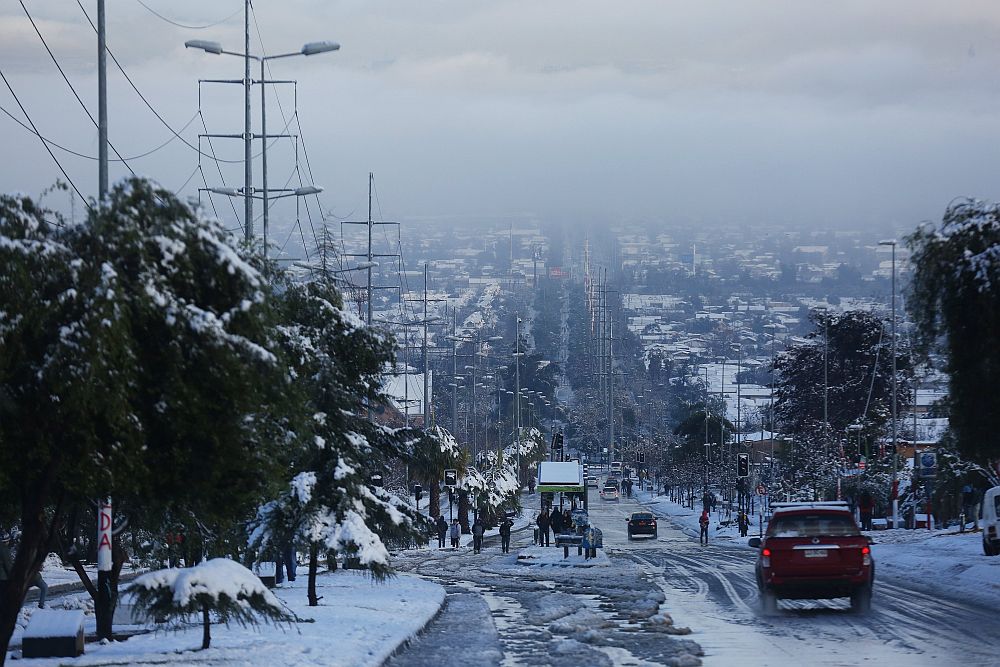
[(616, 466), (989, 520)]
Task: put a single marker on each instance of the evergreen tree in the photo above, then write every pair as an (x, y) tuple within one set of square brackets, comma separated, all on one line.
[(132, 352), (329, 502), (955, 303)]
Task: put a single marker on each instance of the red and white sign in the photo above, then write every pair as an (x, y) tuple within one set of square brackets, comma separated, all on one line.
[(104, 536), (761, 490)]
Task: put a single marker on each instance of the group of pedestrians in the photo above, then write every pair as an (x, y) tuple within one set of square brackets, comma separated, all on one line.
[(478, 528), (558, 522)]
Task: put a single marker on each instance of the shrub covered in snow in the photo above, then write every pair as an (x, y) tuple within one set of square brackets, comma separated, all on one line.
[(220, 586)]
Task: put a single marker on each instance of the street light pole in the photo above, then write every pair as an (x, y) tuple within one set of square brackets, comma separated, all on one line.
[(895, 427), (312, 48)]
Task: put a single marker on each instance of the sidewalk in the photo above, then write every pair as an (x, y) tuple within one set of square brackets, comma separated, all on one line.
[(357, 622)]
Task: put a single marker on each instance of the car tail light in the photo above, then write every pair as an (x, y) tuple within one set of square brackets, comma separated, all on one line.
[(765, 558), (866, 555)]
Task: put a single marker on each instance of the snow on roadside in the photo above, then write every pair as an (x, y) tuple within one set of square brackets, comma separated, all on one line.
[(348, 628)]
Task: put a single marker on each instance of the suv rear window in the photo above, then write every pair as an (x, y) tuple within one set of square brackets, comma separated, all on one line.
[(813, 525), (642, 516)]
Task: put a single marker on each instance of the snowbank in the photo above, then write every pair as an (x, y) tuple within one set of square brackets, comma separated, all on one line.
[(358, 622)]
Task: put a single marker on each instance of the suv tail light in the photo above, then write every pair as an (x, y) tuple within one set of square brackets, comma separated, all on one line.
[(866, 556), (765, 558)]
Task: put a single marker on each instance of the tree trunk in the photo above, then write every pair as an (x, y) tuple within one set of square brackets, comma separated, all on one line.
[(434, 498), (206, 633), (31, 552), (463, 511), (313, 565)]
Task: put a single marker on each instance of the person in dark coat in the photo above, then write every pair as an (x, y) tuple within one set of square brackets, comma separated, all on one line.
[(866, 507), (505, 527), (556, 521), (442, 530), (543, 528), (455, 533), (478, 529), (743, 521)]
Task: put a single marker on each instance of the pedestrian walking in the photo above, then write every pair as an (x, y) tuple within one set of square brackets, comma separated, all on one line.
[(703, 522), (543, 528), (505, 527), (866, 507), (442, 530), (455, 532), (743, 521), (477, 535)]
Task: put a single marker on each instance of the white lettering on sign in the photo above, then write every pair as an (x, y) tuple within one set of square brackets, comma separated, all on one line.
[(104, 536)]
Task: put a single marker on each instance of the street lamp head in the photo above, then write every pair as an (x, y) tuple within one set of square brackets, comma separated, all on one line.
[(229, 192), (313, 48), (204, 45), (308, 190), (887, 242)]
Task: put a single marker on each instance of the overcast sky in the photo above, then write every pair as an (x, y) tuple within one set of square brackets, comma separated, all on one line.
[(827, 114)]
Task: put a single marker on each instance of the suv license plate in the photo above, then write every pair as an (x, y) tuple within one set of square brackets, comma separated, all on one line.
[(816, 553)]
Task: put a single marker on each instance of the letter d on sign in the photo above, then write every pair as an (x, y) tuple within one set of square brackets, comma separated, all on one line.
[(104, 536)]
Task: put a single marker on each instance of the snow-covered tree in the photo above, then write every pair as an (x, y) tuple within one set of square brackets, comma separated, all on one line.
[(133, 357), (955, 302), (434, 451), (219, 586), (329, 502)]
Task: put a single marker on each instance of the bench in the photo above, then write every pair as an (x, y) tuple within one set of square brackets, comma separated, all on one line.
[(565, 540), (53, 633)]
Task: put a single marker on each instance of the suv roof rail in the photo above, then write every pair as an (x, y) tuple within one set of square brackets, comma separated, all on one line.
[(808, 504)]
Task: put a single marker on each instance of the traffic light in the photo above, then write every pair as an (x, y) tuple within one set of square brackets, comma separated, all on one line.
[(376, 480), (742, 465), (418, 492), (642, 457)]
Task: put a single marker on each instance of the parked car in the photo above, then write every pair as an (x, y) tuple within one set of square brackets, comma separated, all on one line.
[(814, 551), (592, 481), (989, 521), (641, 523), (609, 492)]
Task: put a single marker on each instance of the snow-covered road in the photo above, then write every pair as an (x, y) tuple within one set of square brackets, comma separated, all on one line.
[(500, 613), (712, 590)]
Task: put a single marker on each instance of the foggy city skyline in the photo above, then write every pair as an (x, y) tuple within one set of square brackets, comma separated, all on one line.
[(843, 116)]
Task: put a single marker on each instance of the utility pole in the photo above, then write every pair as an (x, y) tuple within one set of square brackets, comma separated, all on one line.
[(427, 395), (102, 105), (371, 176), (454, 372), (371, 257), (247, 132), (517, 393), (103, 606)]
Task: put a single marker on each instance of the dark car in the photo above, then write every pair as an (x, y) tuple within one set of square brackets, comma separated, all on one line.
[(814, 551), (641, 523)]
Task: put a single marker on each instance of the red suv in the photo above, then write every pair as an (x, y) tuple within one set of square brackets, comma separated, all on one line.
[(814, 551)]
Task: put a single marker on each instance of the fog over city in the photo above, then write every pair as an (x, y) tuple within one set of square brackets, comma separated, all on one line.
[(834, 115)]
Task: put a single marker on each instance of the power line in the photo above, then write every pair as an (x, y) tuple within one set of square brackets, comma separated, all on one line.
[(68, 83), (49, 150), (91, 157), (182, 25), (147, 102)]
